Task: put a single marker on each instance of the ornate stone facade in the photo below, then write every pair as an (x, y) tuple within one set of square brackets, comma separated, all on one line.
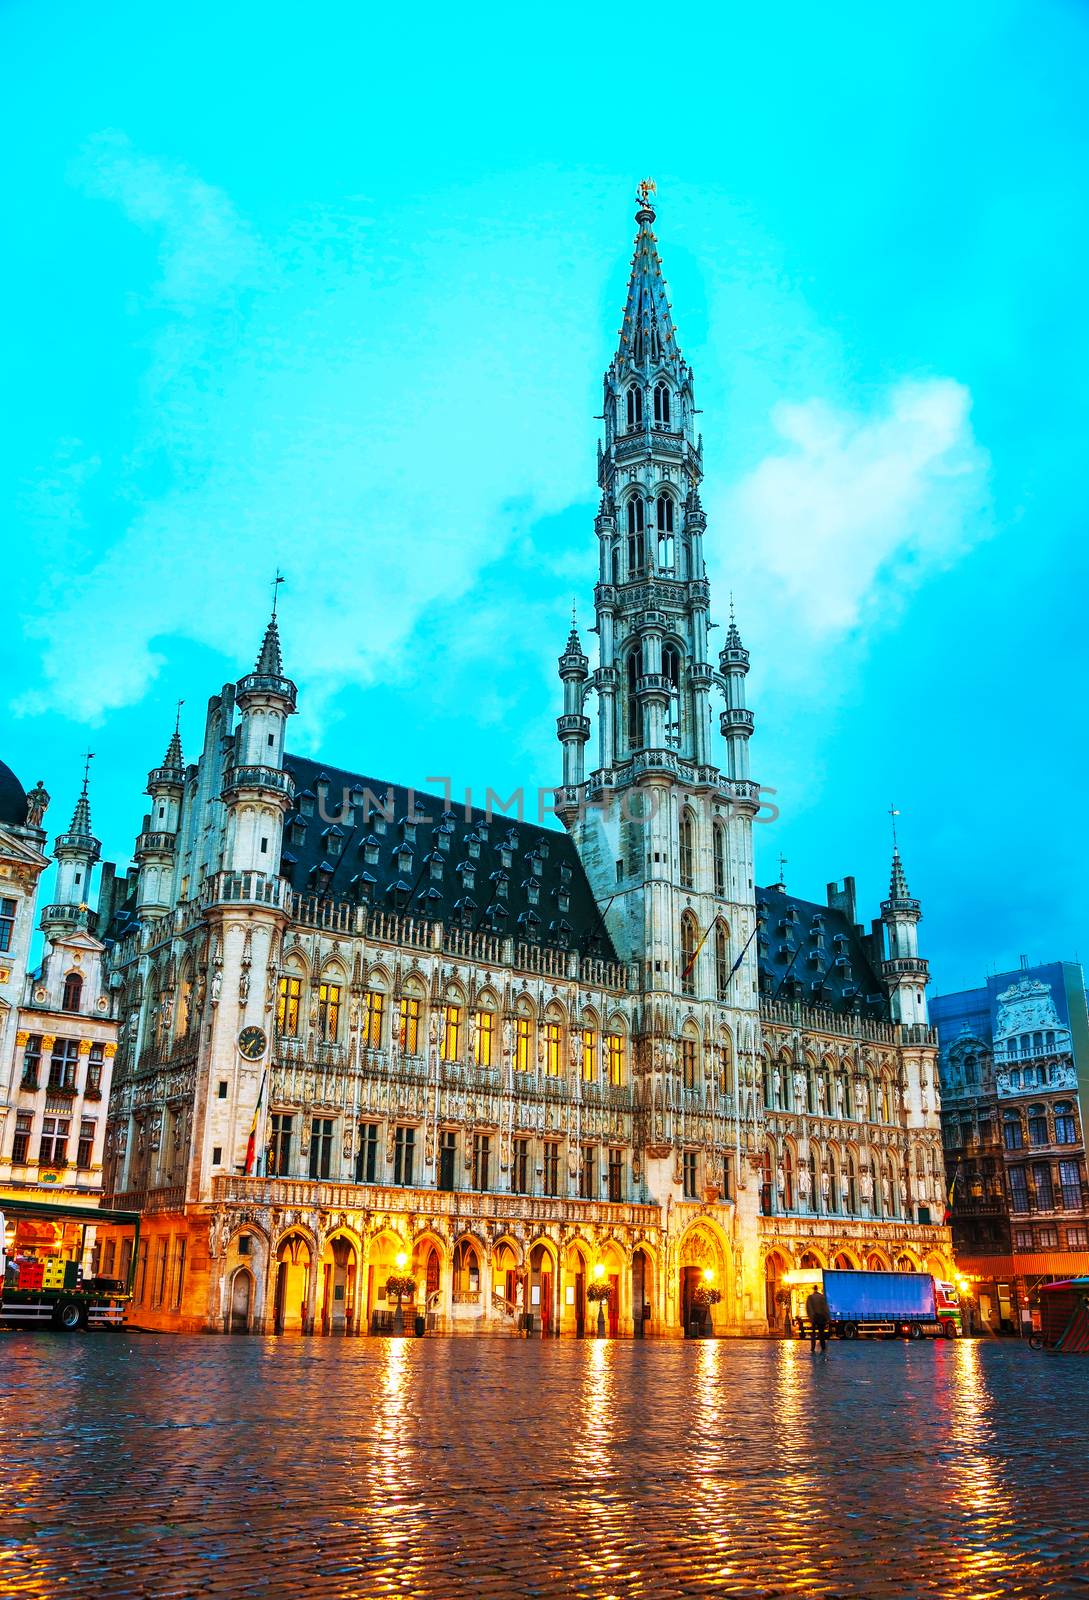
[(366, 1033)]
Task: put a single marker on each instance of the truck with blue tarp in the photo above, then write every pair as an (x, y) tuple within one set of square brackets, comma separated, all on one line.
[(911, 1305)]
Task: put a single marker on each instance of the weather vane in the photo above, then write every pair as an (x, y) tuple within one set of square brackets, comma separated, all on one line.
[(645, 189), (276, 582), (893, 813)]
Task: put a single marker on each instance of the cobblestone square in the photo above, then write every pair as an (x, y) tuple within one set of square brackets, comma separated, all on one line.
[(145, 1465)]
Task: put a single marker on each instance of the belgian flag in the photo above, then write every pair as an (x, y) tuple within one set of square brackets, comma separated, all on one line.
[(251, 1143)]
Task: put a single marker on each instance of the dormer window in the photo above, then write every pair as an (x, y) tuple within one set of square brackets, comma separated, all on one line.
[(563, 901), (408, 830), (536, 865), (565, 874), (378, 822), (533, 891), (468, 874), (370, 849), (435, 865), (403, 859), (474, 846), (501, 882), (506, 856), (306, 803), (442, 839)]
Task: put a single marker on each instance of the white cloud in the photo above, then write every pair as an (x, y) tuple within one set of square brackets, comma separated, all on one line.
[(835, 528)]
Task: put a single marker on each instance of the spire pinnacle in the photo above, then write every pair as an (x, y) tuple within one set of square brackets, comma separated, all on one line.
[(173, 756), (647, 333), (270, 661), (81, 816), (898, 887)]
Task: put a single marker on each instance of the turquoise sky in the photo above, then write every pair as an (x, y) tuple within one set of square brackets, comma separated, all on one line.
[(333, 288)]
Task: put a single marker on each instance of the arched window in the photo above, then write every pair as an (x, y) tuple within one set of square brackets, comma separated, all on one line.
[(851, 1185), (833, 1183), (690, 1058), (635, 406), (661, 404), (788, 1178), (636, 546), (886, 1100), (688, 953), (722, 960), (615, 564), (725, 1064), (814, 1183), (671, 671), (635, 716), (718, 836), (875, 1204), (663, 507), (688, 849), (767, 1181), (73, 992)]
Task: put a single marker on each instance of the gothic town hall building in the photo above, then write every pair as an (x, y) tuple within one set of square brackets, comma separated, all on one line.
[(363, 1032)]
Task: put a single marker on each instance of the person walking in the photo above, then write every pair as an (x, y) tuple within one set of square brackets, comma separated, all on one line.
[(816, 1309)]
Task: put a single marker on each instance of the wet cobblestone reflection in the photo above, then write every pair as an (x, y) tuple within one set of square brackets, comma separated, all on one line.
[(136, 1465)]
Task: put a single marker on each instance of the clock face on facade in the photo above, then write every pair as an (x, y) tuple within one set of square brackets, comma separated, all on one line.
[(252, 1043)]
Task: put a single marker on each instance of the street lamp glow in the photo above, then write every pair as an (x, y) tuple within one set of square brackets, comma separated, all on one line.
[(708, 1274), (599, 1269), (402, 1261)]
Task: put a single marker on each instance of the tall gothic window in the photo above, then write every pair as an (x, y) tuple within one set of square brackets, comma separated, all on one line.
[(722, 960), (635, 719), (661, 404), (635, 406), (688, 849), (663, 506), (718, 834), (671, 671), (688, 953), (636, 542)]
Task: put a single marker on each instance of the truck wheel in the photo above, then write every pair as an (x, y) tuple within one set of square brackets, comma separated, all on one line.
[(915, 1332), (850, 1330), (68, 1315), (948, 1331)]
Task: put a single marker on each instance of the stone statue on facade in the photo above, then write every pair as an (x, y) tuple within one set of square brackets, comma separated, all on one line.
[(37, 803)]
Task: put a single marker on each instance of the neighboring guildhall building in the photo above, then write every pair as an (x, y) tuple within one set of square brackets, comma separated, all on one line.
[(57, 1028), (367, 1032), (1015, 1081)]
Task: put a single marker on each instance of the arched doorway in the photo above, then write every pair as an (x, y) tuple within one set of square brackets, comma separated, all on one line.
[(387, 1256), (642, 1293), (778, 1314), (542, 1284), (337, 1284), (577, 1277), (702, 1267), (241, 1300), (293, 1265), (844, 1262)]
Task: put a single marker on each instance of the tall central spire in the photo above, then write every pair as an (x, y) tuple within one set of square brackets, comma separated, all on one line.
[(647, 334)]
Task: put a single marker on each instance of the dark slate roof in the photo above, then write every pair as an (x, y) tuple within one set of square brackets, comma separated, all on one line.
[(410, 870), (810, 952), (12, 798)]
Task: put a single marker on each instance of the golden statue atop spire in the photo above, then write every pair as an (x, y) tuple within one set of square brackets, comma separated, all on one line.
[(644, 190)]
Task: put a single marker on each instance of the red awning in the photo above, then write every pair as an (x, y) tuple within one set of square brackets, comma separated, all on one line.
[(1030, 1264)]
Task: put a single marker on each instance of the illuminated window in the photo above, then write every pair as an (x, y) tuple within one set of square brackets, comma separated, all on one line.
[(408, 1025), (553, 1043), (485, 1038), (328, 1011), (451, 1033), (589, 1055), (689, 1168), (614, 1058), (287, 1007), (690, 1062), (552, 1167), (523, 1044), (374, 1017)]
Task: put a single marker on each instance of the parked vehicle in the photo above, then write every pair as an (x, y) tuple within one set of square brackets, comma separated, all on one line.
[(43, 1280), (1064, 1318), (909, 1305)]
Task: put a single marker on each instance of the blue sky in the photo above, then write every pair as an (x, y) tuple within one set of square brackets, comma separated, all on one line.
[(334, 288)]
